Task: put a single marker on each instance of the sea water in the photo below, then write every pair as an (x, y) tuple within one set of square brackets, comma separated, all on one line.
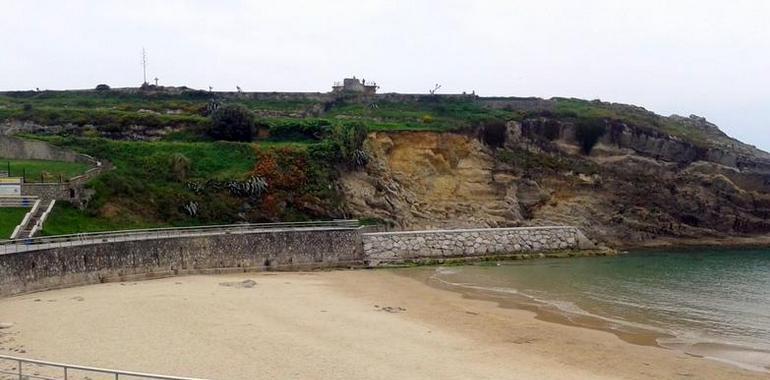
[(706, 302)]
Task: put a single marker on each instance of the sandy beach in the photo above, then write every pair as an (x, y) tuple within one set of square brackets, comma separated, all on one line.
[(321, 325)]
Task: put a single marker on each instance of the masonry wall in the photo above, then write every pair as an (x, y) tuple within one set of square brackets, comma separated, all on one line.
[(117, 261), (395, 247), (47, 191)]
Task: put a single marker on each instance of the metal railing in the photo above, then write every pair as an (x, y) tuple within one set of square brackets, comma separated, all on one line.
[(37, 243), (26, 219), (28, 369), (39, 224)]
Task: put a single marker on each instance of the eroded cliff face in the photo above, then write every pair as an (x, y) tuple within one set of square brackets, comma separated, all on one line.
[(634, 187), (423, 179)]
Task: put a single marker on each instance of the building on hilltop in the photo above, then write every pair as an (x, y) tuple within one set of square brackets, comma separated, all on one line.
[(355, 86)]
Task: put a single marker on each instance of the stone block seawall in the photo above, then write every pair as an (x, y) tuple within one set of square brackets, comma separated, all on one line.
[(398, 247), (37, 270)]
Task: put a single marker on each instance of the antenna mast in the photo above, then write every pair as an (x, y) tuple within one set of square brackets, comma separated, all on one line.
[(144, 66)]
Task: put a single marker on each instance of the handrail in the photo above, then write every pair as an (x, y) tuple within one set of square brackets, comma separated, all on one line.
[(24, 221), (67, 367), (16, 245), (39, 224)]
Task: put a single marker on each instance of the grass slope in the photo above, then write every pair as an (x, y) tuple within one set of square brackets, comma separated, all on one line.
[(42, 170), (66, 219), (10, 217)]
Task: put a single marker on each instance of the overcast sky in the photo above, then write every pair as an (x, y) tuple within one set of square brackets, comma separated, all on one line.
[(706, 57)]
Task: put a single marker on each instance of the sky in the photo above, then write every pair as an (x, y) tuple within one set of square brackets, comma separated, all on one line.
[(704, 57)]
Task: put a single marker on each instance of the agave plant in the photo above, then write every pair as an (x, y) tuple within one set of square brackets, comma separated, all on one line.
[(191, 208), (254, 187), (360, 158)]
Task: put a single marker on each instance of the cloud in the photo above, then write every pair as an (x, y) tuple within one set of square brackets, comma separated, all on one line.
[(707, 57)]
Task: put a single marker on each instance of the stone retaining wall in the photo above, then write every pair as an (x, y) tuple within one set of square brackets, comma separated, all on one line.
[(16, 148), (395, 247), (31, 271), (300, 249)]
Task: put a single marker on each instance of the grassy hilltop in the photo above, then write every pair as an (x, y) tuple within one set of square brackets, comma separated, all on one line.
[(167, 163)]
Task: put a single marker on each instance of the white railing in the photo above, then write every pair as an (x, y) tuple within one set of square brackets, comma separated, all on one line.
[(25, 369), (24, 221), (39, 224), (38, 243)]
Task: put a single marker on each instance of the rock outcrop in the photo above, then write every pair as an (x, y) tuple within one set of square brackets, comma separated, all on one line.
[(635, 187)]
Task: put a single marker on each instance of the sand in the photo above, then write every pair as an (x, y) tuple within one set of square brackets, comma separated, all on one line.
[(321, 325)]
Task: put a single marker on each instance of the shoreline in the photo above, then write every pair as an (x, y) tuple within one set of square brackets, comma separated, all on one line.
[(334, 324), (629, 332), (746, 242)]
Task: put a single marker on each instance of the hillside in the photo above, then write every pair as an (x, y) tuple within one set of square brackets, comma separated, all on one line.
[(625, 175)]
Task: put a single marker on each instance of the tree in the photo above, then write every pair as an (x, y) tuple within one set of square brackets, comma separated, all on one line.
[(232, 122), (102, 87)]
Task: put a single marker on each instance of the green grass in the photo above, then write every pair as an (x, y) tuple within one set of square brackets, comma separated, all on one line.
[(10, 217), (446, 115), (150, 160), (47, 171), (115, 111), (143, 190), (66, 219)]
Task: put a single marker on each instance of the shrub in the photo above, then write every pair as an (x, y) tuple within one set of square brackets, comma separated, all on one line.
[(426, 119), (349, 139), (102, 87), (232, 123), (299, 129)]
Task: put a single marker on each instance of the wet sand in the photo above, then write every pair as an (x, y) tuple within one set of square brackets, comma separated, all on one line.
[(321, 325)]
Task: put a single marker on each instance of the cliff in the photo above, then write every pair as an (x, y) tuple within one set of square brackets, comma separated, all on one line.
[(624, 175), (635, 186)]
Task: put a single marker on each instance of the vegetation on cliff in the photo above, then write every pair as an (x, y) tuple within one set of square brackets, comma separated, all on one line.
[(295, 157)]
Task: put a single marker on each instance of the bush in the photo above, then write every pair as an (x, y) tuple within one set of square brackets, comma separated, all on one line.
[(299, 129), (102, 87), (349, 139), (426, 119), (232, 123)]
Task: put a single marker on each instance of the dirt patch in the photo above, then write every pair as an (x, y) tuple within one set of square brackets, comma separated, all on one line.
[(239, 284)]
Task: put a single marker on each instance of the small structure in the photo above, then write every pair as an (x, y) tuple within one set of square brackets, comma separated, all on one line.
[(10, 186), (355, 86)]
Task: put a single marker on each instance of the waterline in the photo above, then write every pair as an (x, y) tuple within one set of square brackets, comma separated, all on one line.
[(710, 303)]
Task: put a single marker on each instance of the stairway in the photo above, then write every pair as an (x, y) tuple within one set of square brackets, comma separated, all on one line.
[(36, 219)]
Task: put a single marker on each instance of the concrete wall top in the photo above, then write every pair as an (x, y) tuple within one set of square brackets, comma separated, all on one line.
[(464, 230)]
